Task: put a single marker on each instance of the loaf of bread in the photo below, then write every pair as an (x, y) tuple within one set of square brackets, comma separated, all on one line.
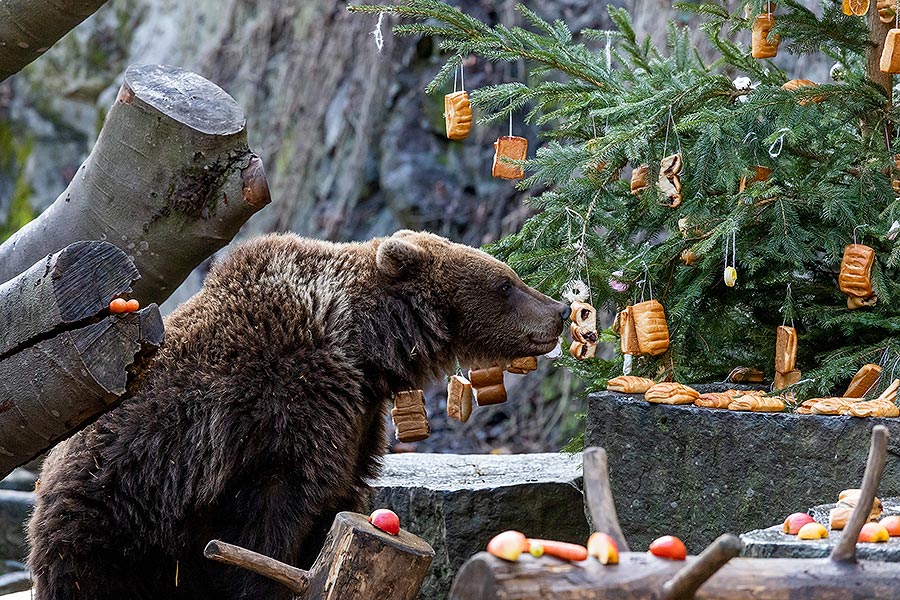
[(890, 56), (409, 416), (783, 380), (457, 115), (651, 327), (523, 366), (629, 384), (757, 403), (486, 377), (511, 147), (671, 393), (494, 394), (855, 278), (832, 406), (863, 381), (785, 349), (459, 398), (716, 399), (628, 341)]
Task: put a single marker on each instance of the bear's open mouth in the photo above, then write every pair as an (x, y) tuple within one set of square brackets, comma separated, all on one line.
[(543, 341)]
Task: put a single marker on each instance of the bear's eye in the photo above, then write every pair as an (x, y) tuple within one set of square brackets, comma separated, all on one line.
[(506, 288)]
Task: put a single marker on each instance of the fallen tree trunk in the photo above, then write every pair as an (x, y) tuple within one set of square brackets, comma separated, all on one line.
[(29, 27), (170, 180), (63, 358)]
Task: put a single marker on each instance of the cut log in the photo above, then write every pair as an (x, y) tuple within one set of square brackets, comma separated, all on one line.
[(598, 496), (170, 180), (29, 27), (357, 561), (63, 358)]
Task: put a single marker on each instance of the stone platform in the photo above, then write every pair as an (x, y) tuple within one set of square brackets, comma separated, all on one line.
[(697, 473), (772, 543)]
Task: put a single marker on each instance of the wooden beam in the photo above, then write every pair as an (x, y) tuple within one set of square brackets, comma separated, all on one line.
[(294, 579)]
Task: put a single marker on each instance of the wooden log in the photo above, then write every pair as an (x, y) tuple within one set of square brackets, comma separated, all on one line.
[(29, 27), (357, 561), (688, 580), (170, 180), (598, 496), (877, 34), (640, 576)]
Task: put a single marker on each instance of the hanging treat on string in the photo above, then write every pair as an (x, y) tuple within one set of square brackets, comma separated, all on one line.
[(890, 55), (487, 384), (760, 173), (863, 381), (459, 398), (639, 179), (668, 181), (730, 275), (855, 278), (855, 7), (510, 147), (409, 416), (457, 111), (584, 320), (643, 326), (886, 10), (762, 46)]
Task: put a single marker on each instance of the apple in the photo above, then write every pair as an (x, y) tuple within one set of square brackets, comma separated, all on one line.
[(385, 520), (795, 521), (603, 548), (535, 549), (812, 531), (892, 524), (508, 545), (874, 532), (668, 546)]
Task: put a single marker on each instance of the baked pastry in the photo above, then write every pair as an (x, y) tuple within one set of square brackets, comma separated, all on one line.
[(629, 384), (745, 375), (761, 45), (863, 381), (785, 349), (783, 380), (874, 408), (639, 179), (796, 84), (806, 407), (582, 350), (855, 7), (409, 416), (523, 366), (512, 147), (671, 393), (832, 406), (855, 278), (890, 56), (850, 498), (494, 394), (459, 398), (886, 10), (629, 340), (890, 394), (457, 115), (486, 377), (716, 399), (761, 174), (853, 302), (584, 323), (651, 327), (757, 403), (668, 181)]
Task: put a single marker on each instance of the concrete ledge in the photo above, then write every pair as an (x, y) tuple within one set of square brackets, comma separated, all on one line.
[(459, 502), (697, 473)]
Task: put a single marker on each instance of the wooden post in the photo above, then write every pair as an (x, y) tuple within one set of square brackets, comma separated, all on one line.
[(357, 561), (599, 498), (688, 580), (63, 358), (170, 180)]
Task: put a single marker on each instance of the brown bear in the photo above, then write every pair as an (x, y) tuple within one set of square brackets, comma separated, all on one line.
[(264, 413)]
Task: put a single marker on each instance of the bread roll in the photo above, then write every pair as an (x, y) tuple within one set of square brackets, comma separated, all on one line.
[(856, 267), (863, 381), (761, 46), (671, 393), (495, 394), (651, 327), (629, 341), (785, 349), (514, 148), (459, 398), (486, 377), (629, 384), (890, 56), (457, 115), (523, 366)]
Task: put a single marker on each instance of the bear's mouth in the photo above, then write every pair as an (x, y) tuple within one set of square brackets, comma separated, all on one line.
[(544, 342)]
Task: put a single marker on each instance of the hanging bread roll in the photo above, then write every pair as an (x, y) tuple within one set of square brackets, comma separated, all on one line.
[(523, 366), (783, 380), (890, 56), (651, 327), (745, 375), (457, 115), (761, 173), (855, 278), (459, 398), (494, 394), (409, 416), (886, 10), (582, 350), (639, 179), (486, 377), (629, 384), (761, 45), (863, 381), (785, 349), (629, 340), (512, 147), (671, 393)]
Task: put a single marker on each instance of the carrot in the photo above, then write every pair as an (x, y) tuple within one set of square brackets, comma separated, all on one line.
[(563, 550)]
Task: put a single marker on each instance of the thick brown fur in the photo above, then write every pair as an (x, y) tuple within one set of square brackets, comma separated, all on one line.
[(263, 415)]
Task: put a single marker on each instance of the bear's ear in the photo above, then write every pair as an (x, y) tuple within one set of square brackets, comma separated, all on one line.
[(403, 233), (398, 258)]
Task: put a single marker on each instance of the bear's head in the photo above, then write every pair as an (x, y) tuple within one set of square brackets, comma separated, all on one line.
[(490, 315)]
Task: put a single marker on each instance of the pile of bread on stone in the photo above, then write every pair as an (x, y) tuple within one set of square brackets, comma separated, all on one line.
[(851, 403), (484, 386), (847, 501)]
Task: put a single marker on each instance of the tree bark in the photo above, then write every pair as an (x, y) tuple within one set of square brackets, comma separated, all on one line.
[(170, 180), (29, 27), (63, 358), (356, 561)]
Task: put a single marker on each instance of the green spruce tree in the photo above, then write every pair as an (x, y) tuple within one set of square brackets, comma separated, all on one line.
[(608, 102)]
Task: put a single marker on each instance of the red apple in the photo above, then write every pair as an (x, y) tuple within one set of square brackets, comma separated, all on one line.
[(508, 545), (668, 546), (874, 532), (795, 521), (892, 524), (385, 520), (604, 548)]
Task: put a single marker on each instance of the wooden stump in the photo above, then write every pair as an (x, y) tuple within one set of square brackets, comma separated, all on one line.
[(357, 561), (63, 358), (170, 180)]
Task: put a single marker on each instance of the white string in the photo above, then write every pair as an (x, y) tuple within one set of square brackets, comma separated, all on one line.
[(510, 117), (462, 76), (751, 135), (608, 51), (779, 142), (854, 231), (455, 76), (783, 311), (379, 38)]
